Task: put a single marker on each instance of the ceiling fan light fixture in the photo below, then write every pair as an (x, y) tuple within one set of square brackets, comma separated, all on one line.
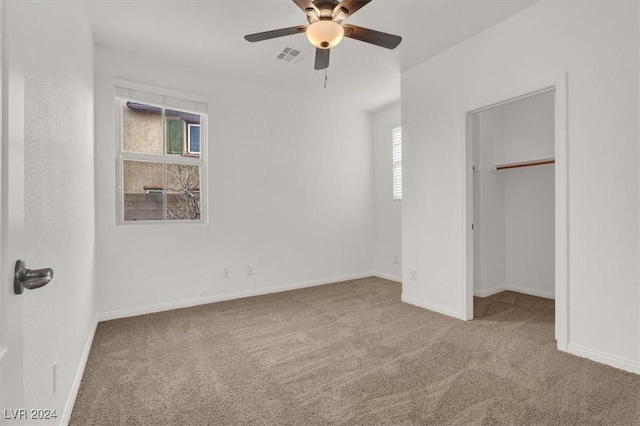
[(325, 34)]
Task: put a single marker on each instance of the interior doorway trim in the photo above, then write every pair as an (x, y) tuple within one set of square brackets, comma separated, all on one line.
[(561, 206)]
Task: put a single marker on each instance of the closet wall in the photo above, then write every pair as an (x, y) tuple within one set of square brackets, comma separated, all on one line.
[(514, 212), (387, 225)]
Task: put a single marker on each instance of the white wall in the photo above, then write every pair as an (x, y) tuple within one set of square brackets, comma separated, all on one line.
[(596, 44), (59, 195), (289, 192), (387, 230), (528, 129), (530, 230), (514, 209), (530, 196), (489, 205)]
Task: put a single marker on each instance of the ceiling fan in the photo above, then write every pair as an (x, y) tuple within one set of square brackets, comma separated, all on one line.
[(325, 29)]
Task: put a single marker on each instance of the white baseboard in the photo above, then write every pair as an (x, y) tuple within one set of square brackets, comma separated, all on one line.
[(386, 276), (605, 358), (432, 307), (75, 386), (532, 291), (518, 289), (149, 309), (478, 292)]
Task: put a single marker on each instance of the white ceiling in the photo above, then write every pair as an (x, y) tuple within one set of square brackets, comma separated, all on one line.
[(209, 34)]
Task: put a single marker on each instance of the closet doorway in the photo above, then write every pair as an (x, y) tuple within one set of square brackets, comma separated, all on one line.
[(515, 197)]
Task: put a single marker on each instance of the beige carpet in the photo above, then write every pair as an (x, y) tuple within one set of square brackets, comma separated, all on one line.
[(349, 353)]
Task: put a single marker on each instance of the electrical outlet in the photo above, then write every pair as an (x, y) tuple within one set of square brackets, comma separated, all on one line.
[(414, 274), (226, 273), (249, 269), (396, 259)]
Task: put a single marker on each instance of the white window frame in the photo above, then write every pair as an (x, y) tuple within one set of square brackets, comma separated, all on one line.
[(156, 98), (396, 158), (189, 126)]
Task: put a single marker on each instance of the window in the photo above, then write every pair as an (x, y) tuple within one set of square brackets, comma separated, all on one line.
[(194, 139), (397, 162), (160, 158)]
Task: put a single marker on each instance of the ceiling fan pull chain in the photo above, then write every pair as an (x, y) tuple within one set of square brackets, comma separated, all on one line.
[(325, 79)]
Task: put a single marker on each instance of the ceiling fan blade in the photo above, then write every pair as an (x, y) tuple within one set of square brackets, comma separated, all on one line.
[(322, 58), (378, 38), (351, 6), (275, 33), (305, 4)]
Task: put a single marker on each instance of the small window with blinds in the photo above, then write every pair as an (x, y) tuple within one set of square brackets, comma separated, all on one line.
[(161, 158), (397, 163)]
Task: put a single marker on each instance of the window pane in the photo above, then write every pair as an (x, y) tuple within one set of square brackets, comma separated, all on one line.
[(143, 190), (183, 191), (141, 128), (178, 131), (194, 138), (175, 136)]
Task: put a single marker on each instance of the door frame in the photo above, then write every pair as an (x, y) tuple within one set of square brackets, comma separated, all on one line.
[(3, 350), (561, 204), (12, 210)]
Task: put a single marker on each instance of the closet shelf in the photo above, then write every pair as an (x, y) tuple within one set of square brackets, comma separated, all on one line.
[(529, 163)]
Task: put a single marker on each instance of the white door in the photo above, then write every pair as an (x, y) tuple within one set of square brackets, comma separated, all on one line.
[(12, 224)]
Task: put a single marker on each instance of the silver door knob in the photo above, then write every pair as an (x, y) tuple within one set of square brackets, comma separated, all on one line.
[(30, 279)]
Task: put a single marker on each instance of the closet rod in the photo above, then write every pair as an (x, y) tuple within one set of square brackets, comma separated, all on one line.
[(525, 164)]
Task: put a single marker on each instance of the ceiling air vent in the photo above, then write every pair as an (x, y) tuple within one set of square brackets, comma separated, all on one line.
[(291, 54)]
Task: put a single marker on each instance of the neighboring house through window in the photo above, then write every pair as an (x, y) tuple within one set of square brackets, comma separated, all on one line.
[(161, 161), (396, 141)]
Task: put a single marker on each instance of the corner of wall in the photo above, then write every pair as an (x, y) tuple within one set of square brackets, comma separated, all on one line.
[(444, 310)]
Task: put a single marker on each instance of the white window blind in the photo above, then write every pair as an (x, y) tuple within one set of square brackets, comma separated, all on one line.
[(397, 163)]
